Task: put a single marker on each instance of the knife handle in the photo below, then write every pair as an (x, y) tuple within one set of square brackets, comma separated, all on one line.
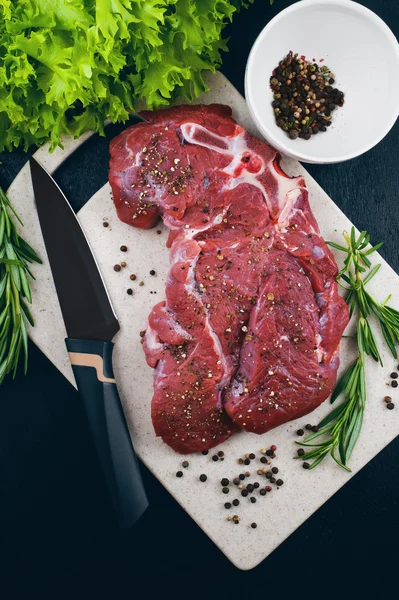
[(92, 366)]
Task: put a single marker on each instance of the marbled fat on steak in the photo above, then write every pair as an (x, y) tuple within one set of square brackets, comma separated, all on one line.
[(249, 334)]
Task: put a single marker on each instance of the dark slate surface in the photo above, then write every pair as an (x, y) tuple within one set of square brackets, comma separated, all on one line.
[(55, 528)]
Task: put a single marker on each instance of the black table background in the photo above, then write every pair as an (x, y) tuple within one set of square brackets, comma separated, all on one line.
[(55, 523)]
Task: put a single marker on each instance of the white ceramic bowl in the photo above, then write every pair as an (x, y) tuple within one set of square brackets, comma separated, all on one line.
[(363, 54)]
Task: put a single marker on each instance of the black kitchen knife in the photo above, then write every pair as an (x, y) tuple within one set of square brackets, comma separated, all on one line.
[(91, 324)]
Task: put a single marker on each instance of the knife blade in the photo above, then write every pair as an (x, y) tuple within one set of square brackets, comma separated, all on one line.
[(91, 324)]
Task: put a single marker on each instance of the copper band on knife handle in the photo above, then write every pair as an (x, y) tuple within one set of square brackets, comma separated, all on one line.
[(79, 359)]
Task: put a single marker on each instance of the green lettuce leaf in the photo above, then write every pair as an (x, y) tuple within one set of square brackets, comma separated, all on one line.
[(68, 66)]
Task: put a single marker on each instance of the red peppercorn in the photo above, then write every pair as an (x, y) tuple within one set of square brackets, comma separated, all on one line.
[(268, 488), (273, 448)]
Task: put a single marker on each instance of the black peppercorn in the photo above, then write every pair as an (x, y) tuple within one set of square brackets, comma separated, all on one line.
[(253, 499), (152, 272), (269, 452), (236, 481), (247, 461), (256, 485), (279, 482), (215, 457), (203, 477), (253, 525), (309, 427), (272, 480), (224, 482), (315, 429), (123, 248), (225, 490), (220, 453), (129, 292), (117, 268), (394, 375), (306, 465), (185, 464), (275, 470), (227, 505), (250, 488), (300, 432), (263, 460), (394, 383), (269, 475), (179, 474), (241, 476), (262, 492), (252, 456), (301, 452), (390, 406), (205, 452), (244, 493), (236, 502)]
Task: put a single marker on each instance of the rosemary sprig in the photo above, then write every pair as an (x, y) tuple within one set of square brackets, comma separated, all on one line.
[(15, 254), (340, 429)]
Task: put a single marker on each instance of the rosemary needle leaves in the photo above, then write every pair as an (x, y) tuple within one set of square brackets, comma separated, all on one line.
[(338, 432), (15, 254)]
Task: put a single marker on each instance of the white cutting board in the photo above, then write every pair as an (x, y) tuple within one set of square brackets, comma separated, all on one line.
[(277, 514)]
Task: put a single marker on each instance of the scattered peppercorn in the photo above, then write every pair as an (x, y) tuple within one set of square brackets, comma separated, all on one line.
[(159, 231), (263, 459), (252, 455), (273, 448), (256, 485), (247, 474), (250, 488), (272, 480), (179, 474), (301, 452), (203, 477), (240, 461), (152, 272), (263, 451), (241, 476), (269, 452), (205, 452), (309, 427), (275, 470), (306, 465), (247, 461), (117, 268), (262, 492), (220, 453), (253, 525), (236, 502), (236, 481), (133, 277), (387, 399), (225, 490), (268, 475), (141, 283), (268, 488), (129, 291), (224, 482), (390, 406), (123, 264), (215, 457), (244, 493), (300, 432), (394, 375), (279, 482), (315, 429), (105, 224), (227, 505), (185, 464), (253, 499), (123, 248), (394, 384)]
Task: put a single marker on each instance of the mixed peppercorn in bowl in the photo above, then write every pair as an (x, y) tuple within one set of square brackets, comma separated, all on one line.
[(316, 73)]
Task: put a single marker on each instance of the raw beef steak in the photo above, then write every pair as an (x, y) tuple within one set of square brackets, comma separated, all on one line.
[(249, 333)]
